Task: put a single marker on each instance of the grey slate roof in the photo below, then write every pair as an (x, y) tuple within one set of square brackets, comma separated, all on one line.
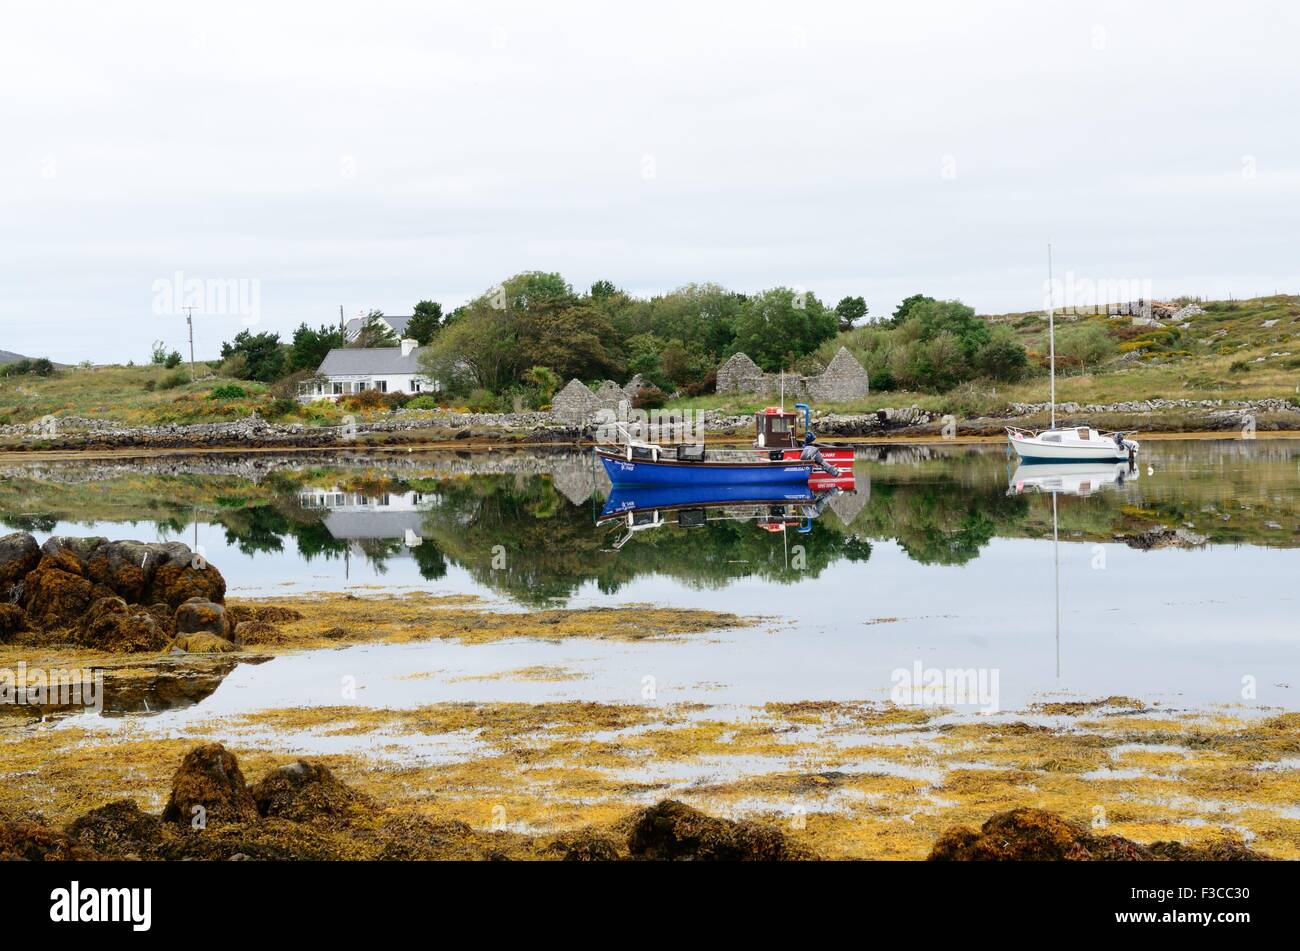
[(353, 326), (365, 361)]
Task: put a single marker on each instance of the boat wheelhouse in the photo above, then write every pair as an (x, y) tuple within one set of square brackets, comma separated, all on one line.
[(777, 431)]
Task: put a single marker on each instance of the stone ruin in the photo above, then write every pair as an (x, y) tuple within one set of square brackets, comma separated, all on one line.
[(576, 403), (843, 380)]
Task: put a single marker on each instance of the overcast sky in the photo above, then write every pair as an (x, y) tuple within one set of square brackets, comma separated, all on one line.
[(368, 154)]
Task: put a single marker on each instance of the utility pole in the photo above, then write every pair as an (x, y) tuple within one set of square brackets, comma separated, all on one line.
[(342, 326), (189, 319)]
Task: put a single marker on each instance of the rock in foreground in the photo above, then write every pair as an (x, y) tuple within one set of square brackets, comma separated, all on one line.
[(673, 830), (1037, 835)]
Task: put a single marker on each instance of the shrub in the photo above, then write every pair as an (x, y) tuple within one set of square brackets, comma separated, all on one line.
[(234, 366), (1085, 346), (423, 401), (172, 360), (39, 367), (283, 406), (228, 391), (483, 401), (366, 399), (396, 400), (649, 397), (173, 380)]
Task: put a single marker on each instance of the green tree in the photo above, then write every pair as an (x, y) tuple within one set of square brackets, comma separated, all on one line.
[(849, 310), (934, 317), (261, 354), (425, 321), (375, 332), (779, 325), (574, 340), (477, 348), (544, 380), (1002, 358), (905, 306), (310, 346)]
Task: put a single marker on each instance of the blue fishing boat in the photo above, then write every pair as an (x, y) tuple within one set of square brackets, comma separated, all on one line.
[(646, 465)]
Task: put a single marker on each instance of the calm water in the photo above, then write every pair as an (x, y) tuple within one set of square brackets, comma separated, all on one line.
[(942, 556)]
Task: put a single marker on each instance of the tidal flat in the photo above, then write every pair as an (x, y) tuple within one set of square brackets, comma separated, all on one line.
[(474, 645)]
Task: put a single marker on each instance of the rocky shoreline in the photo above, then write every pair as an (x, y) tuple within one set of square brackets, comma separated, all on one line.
[(301, 811), (412, 427)]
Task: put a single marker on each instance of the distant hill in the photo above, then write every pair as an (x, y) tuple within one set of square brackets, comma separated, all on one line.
[(8, 356)]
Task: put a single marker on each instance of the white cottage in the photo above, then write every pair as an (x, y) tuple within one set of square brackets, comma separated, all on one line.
[(355, 370)]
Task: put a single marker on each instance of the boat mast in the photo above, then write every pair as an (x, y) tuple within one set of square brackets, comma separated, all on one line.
[(1051, 336)]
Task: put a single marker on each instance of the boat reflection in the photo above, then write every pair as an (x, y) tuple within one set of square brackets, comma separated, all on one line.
[(1071, 478), (1067, 478), (773, 508)]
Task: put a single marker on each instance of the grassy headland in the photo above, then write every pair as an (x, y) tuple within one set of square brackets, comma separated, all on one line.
[(1229, 350)]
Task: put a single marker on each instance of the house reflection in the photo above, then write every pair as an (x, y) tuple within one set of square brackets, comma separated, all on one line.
[(359, 519)]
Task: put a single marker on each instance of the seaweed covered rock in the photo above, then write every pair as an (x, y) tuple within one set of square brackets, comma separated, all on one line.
[(178, 580), (33, 842), (19, 554), (125, 567), (405, 837), (1225, 849), (262, 613), (1032, 835), (209, 787), (257, 632), (202, 643), (201, 616), (587, 845), (72, 548), (55, 593), (303, 791), (117, 830), (674, 830), (12, 620), (111, 625)]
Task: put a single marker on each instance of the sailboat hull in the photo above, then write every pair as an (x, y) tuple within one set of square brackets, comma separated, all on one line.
[(1038, 449)]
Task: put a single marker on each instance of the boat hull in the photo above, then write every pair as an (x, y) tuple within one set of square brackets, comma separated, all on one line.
[(839, 456), (1034, 450), (643, 472)]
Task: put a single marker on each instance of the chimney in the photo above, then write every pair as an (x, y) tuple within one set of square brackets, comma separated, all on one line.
[(408, 345)]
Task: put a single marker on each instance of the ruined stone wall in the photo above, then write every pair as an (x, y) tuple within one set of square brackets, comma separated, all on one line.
[(842, 381)]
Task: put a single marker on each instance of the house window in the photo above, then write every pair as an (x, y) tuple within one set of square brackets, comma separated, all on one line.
[(381, 386), (336, 389), (362, 386)]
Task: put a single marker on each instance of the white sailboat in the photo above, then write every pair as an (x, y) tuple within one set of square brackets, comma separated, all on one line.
[(1066, 443)]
